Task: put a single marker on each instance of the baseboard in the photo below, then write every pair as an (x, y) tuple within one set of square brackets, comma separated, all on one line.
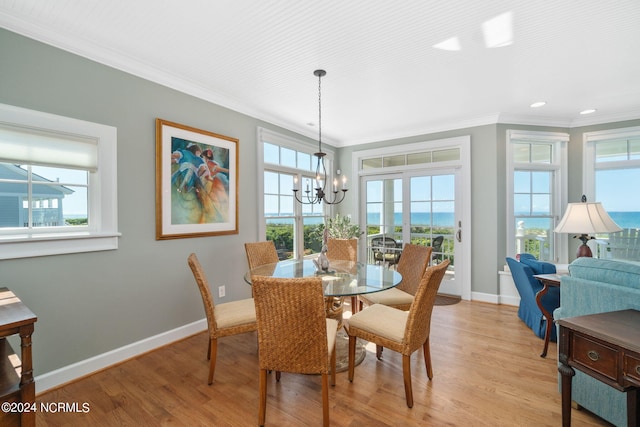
[(482, 297), (83, 368)]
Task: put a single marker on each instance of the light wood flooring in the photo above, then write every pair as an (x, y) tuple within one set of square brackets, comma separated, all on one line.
[(486, 363)]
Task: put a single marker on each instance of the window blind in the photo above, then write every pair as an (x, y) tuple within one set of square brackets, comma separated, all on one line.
[(22, 145)]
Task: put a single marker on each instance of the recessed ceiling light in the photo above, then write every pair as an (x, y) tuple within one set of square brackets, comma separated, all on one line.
[(538, 104), (588, 111)]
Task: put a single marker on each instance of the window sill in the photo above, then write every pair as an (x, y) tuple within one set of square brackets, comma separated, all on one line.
[(25, 246)]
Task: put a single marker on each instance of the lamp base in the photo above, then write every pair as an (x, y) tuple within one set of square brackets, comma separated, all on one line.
[(584, 251)]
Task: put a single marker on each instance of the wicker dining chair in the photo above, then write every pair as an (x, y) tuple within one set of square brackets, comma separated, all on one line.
[(294, 334), (261, 253), (401, 331), (223, 320), (344, 250), (412, 265)]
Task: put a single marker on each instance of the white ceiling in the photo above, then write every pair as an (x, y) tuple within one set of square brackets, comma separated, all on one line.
[(384, 77)]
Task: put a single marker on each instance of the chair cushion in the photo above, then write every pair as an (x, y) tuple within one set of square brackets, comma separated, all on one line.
[(235, 313), (332, 332), (381, 320), (393, 296)]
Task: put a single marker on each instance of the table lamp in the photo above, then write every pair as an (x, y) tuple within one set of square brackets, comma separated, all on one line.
[(583, 219)]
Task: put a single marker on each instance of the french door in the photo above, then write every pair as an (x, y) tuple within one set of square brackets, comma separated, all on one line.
[(419, 207)]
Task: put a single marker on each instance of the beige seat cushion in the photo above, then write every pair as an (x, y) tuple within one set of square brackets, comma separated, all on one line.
[(332, 332), (235, 313), (393, 296), (381, 320)]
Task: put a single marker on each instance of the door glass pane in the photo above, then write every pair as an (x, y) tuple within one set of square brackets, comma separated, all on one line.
[(384, 216), (393, 161), (446, 155)]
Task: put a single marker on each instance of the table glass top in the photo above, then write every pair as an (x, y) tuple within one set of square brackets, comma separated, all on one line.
[(344, 278)]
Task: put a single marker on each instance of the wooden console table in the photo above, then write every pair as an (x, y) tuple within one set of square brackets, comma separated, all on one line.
[(605, 346), (547, 280), (17, 387)]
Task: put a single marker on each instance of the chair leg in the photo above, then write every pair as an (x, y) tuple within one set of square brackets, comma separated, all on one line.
[(209, 350), (406, 371), (333, 366), (325, 400), (379, 351), (278, 374), (213, 352), (352, 356), (262, 404), (427, 358)]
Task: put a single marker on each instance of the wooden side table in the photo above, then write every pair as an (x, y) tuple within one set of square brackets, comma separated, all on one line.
[(605, 346), (17, 387), (547, 280)]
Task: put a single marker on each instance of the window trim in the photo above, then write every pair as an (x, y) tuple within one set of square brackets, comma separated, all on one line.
[(267, 135), (559, 166), (102, 234), (589, 165)]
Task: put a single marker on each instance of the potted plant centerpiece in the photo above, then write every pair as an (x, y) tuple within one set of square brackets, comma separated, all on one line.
[(338, 228)]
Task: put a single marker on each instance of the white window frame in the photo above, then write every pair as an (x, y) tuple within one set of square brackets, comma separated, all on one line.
[(590, 166), (559, 166), (102, 233), (589, 158), (267, 135)]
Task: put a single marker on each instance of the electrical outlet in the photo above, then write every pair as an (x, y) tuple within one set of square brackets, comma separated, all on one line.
[(221, 291)]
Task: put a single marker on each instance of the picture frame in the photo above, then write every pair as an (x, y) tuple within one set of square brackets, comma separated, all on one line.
[(196, 182)]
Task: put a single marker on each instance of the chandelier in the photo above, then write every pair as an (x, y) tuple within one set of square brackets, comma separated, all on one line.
[(335, 195)]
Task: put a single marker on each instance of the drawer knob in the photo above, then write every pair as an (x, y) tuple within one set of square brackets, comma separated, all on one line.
[(638, 369), (593, 355)]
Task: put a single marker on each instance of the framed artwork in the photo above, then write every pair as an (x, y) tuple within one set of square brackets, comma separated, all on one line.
[(196, 182)]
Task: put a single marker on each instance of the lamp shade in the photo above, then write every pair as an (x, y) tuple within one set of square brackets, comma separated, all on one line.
[(586, 218)]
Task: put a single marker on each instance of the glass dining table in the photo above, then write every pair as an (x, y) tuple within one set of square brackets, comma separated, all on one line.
[(343, 279)]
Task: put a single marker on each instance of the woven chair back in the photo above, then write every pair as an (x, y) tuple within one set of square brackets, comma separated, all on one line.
[(292, 328), (342, 249), (205, 292), (412, 265), (419, 320), (261, 253)]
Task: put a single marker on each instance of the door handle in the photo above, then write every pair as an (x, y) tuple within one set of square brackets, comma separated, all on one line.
[(459, 235)]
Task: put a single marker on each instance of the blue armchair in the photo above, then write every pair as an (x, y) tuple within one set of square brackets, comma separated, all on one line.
[(528, 286)]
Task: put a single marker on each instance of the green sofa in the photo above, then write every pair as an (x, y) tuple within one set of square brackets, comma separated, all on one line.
[(598, 286)]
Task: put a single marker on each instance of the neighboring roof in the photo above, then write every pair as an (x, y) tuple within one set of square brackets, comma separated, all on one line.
[(8, 171)]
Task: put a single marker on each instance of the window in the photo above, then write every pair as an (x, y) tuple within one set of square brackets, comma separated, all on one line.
[(536, 179), (57, 184), (611, 173), (292, 226)]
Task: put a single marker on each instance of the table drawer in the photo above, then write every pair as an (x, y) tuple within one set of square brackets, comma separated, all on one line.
[(596, 356), (632, 367)]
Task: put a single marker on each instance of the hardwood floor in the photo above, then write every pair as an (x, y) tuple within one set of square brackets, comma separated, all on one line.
[(486, 363)]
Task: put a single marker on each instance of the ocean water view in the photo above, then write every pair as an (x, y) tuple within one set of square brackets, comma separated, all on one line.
[(446, 219)]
